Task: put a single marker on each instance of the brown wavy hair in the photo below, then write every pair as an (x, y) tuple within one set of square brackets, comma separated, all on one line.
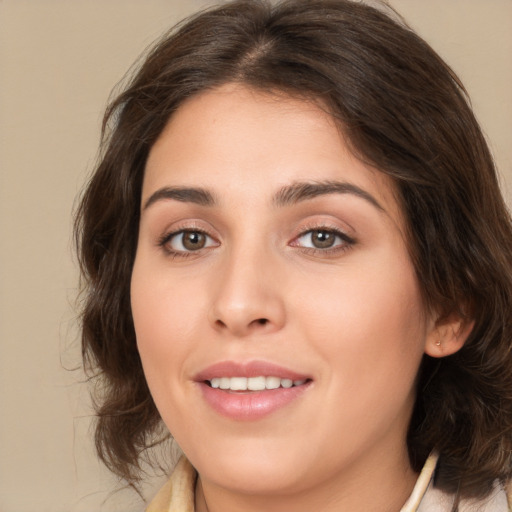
[(403, 111)]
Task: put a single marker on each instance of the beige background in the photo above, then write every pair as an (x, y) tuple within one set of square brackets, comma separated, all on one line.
[(58, 61)]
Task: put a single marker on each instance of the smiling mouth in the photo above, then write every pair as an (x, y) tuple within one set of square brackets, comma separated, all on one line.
[(251, 391), (260, 383)]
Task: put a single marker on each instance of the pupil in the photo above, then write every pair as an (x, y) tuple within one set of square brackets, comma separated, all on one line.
[(193, 240), (323, 239)]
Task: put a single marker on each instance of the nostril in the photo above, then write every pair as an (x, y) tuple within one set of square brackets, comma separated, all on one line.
[(240, 325)]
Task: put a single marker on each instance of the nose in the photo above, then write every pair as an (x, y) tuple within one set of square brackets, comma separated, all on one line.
[(248, 296)]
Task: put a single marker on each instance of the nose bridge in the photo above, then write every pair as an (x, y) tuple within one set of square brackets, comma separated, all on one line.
[(247, 294)]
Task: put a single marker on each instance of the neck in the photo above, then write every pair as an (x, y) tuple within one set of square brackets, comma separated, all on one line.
[(365, 486)]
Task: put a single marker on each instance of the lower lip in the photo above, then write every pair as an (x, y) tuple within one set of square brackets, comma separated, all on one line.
[(250, 405)]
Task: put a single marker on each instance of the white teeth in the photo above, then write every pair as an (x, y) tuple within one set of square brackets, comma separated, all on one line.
[(272, 382), (253, 383), (238, 383), (256, 383), (287, 383)]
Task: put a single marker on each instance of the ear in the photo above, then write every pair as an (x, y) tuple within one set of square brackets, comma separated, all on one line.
[(448, 335)]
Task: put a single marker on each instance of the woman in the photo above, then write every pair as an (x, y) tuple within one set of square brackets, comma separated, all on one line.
[(297, 257)]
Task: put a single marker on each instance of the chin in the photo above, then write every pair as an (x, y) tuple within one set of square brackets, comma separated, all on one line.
[(253, 467), (249, 476)]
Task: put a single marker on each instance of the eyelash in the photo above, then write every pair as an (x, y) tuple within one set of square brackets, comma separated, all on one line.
[(167, 237), (348, 242)]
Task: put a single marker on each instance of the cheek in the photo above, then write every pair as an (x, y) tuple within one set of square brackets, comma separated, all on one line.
[(165, 317), (368, 324)]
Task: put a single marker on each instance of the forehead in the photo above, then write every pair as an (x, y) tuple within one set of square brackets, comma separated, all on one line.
[(239, 141)]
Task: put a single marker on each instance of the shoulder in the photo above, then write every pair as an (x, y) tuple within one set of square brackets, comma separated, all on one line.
[(499, 500)]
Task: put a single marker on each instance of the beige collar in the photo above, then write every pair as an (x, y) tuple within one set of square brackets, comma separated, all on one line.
[(177, 495), (422, 484)]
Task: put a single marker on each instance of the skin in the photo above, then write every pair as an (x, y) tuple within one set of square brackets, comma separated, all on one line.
[(350, 316)]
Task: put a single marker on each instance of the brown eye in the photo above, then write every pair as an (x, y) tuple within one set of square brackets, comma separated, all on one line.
[(188, 240), (193, 240), (322, 239)]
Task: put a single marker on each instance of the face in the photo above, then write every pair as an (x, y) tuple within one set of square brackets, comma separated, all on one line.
[(277, 312)]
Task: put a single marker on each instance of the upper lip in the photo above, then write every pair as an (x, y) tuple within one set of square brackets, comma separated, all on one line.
[(248, 369)]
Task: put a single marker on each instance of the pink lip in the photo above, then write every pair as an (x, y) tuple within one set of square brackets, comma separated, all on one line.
[(249, 369), (249, 405)]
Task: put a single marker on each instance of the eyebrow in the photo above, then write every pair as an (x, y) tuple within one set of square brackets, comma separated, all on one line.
[(286, 196), (302, 191), (194, 195)]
